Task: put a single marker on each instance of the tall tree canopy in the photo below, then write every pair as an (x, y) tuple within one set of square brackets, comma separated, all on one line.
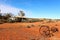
[(21, 13)]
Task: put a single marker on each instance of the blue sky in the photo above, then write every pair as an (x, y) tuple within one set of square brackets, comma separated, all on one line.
[(36, 8)]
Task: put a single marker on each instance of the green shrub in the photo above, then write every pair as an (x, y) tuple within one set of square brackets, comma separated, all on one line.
[(10, 21)]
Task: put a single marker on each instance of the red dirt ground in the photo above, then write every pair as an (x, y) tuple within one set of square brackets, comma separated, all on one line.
[(20, 31)]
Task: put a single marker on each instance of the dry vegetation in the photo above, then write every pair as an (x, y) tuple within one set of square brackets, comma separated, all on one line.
[(29, 28), (30, 31)]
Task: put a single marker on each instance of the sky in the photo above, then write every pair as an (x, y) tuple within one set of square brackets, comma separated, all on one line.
[(32, 8)]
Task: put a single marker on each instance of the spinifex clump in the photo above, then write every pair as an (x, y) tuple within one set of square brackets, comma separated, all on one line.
[(46, 31), (54, 29)]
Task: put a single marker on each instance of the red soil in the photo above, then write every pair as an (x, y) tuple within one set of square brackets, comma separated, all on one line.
[(20, 31)]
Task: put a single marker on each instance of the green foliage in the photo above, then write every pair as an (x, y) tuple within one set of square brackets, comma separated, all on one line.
[(0, 16), (10, 21), (4, 18), (22, 13), (7, 15)]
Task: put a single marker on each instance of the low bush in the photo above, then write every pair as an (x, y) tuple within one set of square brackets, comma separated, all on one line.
[(32, 25), (54, 29), (1, 22), (32, 39), (10, 21), (28, 26)]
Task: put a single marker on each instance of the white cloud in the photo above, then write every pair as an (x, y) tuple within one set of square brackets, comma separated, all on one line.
[(9, 9)]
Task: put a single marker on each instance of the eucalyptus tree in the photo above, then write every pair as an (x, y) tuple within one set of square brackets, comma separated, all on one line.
[(21, 14)]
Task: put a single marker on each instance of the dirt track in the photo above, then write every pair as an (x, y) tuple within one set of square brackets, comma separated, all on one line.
[(26, 31)]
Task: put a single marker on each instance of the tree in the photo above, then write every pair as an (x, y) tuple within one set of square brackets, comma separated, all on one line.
[(7, 15), (0, 14), (21, 14)]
